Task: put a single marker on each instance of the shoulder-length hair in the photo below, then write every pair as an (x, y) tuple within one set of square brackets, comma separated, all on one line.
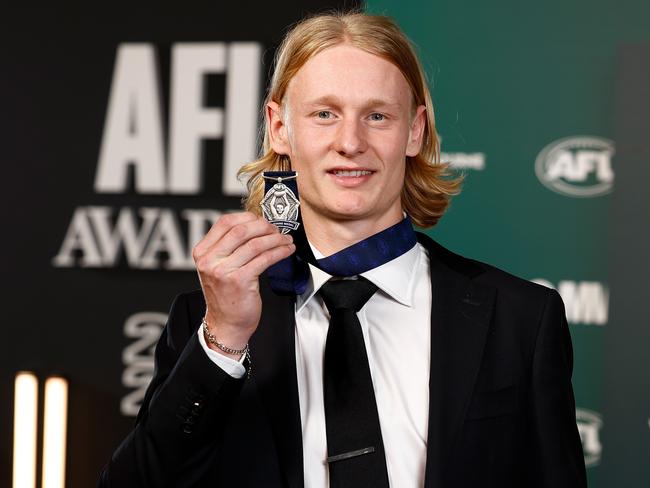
[(428, 183)]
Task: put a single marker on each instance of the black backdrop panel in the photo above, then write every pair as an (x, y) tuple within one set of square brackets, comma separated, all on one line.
[(89, 273)]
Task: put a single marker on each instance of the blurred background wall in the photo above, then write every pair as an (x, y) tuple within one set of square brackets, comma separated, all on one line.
[(122, 127)]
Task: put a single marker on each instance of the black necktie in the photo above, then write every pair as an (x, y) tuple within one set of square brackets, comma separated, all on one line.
[(355, 449)]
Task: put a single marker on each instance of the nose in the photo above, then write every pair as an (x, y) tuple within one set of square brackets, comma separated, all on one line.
[(350, 138)]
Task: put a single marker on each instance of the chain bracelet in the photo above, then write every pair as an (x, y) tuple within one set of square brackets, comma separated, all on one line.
[(213, 340)]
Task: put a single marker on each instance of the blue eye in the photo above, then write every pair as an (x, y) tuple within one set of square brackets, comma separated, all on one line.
[(324, 114), (376, 117)]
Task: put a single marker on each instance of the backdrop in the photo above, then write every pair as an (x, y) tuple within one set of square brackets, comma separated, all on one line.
[(122, 129)]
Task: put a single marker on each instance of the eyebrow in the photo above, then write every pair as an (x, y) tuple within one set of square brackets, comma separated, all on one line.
[(336, 101)]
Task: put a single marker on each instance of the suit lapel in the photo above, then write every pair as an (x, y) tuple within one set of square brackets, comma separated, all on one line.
[(273, 346), (460, 316)]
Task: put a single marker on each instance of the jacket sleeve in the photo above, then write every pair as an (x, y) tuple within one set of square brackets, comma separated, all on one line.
[(178, 428), (556, 457)]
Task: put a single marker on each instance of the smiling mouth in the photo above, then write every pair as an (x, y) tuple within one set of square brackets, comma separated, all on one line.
[(350, 173)]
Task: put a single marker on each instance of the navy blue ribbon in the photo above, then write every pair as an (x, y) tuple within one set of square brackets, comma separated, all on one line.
[(371, 252)]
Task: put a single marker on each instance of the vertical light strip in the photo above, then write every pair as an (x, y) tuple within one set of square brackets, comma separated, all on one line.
[(25, 430), (54, 432)]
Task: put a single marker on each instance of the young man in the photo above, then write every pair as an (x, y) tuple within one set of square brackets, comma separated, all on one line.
[(445, 372)]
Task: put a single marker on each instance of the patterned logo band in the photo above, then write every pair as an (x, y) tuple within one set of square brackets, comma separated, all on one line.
[(280, 204)]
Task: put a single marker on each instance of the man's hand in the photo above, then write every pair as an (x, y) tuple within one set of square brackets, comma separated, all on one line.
[(229, 260)]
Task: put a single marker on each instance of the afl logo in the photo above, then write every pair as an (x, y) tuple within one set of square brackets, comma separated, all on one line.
[(589, 424), (579, 166)]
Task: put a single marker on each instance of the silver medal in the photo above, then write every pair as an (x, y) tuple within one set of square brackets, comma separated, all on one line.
[(280, 205)]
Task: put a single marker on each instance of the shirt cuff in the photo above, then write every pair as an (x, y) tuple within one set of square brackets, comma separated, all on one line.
[(234, 368)]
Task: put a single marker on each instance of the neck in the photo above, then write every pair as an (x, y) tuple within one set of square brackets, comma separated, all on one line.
[(330, 236)]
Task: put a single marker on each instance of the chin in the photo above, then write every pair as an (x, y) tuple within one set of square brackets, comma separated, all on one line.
[(352, 209), (358, 214), (347, 209)]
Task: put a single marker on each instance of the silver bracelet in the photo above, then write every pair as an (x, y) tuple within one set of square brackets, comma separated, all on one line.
[(213, 340)]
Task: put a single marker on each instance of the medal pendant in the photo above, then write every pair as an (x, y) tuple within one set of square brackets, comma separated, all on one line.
[(280, 204)]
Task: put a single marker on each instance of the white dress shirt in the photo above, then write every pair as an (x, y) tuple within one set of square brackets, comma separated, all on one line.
[(396, 325)]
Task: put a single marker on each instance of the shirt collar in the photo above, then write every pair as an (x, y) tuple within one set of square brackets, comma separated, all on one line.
[(396, 278)]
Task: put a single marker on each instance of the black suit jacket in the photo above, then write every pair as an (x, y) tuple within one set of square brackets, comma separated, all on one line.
[(501, 406)]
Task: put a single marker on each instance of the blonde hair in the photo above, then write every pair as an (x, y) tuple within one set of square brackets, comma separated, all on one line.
[(428, 183)]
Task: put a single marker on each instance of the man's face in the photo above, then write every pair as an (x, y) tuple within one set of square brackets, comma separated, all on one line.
[(348, 123)]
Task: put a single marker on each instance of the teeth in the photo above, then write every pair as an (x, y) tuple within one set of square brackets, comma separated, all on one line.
[(352, 173)]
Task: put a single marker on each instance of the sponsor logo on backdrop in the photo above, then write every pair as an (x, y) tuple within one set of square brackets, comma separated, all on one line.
[(586, 302), (579, 166), (134, 147), (589, 425), (459, 160), (138, 357)]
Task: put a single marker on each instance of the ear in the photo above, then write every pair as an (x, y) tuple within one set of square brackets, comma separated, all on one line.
[(416, 131), (277, 129)]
